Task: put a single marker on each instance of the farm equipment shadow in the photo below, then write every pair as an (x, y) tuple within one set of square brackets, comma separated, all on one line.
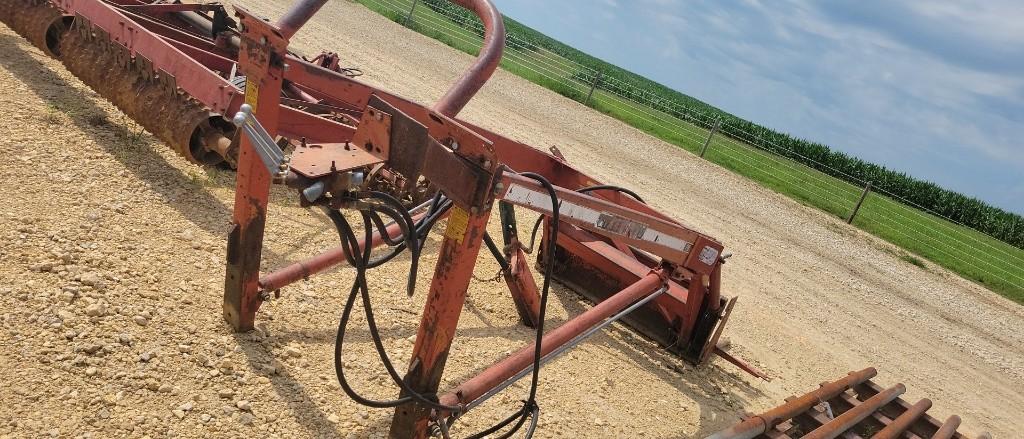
[(91, 119), (134, 150), (698, 385)]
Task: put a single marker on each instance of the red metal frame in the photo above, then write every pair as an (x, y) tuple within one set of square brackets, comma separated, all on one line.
[(618, 248), (262, 62)]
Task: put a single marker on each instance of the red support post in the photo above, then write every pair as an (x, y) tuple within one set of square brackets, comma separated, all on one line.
[(454, 270), (261, 60), (524, 290)]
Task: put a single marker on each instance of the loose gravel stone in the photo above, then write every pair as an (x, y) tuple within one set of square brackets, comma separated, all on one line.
[(95, 310), (292, 351)]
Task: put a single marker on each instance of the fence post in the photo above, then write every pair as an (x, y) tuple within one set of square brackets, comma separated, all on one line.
[(408, 17), (593, 85), (714, 129), (856, 208)]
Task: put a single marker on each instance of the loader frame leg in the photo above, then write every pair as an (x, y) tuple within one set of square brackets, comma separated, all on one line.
[(463, 239), (261, 60)]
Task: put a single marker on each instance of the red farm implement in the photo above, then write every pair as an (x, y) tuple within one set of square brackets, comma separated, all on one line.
[(222, 88)]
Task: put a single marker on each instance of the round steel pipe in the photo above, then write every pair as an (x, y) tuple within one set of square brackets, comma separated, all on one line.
[(459, 94), (755, 425), (297, 16), (523, 358), (948, 428), (902, 422), (851, 417)]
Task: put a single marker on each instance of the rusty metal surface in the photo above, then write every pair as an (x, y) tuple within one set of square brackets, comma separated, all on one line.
[(670, 241), (261, 60), (317, 160), (525, 294), (34, 20), (948, 428), (374, 133), (902, 422), (452, 274), (150, 98), (191, 76), (848, 419), (172, 81), (852, 407)]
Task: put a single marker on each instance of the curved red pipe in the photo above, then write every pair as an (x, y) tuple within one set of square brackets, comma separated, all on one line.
[(459, 94), (298, 15)]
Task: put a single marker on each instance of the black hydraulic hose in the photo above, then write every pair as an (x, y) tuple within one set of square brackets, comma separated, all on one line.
[(530, 409), (496, 252), (361, 288), (609, 187), (348, 239), (411, 241), (422, 228), (385, 236), (413, 237), (553, 226)]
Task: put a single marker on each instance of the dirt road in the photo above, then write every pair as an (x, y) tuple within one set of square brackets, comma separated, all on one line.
[(111, 251)]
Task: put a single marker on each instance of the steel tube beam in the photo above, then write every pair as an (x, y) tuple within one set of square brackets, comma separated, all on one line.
[(851, 417), (459, 94), (298, 15), (902, 422), (948, 428), (300, 270), (565, 347), (755, 425), (507, 368)]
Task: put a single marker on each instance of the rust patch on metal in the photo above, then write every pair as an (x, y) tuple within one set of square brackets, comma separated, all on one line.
[(129, 82), (313, 161), (852, 406)]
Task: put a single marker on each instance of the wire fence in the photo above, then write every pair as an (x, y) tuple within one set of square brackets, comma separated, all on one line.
[(971, 253)]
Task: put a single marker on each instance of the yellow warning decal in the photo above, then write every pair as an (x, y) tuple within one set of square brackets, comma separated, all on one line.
[(252, 93), (458, 222)]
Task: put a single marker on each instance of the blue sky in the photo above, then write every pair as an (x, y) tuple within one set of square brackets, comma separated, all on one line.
[(931, 88)]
